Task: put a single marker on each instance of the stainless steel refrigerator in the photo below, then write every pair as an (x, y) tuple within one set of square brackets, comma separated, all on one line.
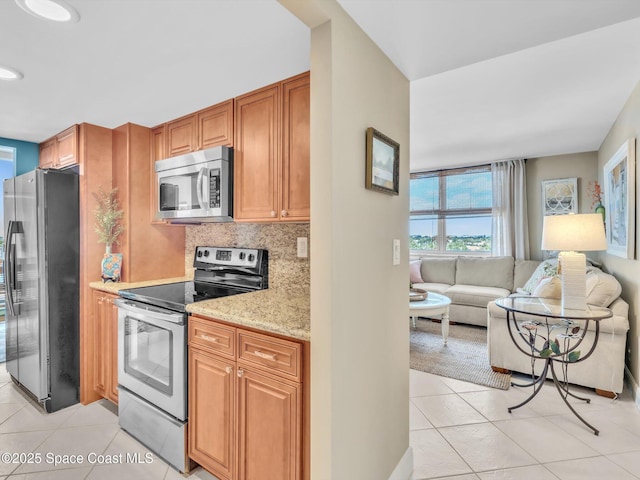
[(41, 270)]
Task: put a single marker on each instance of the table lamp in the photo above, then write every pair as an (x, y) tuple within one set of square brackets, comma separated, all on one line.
[(570, 234)]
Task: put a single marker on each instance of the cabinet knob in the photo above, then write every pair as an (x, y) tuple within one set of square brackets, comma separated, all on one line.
[(273, 213), (240, 372), (229, 369), (283, 213)]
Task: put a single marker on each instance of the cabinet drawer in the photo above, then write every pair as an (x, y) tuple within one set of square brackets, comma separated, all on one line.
[(212, 336), (272, 354)]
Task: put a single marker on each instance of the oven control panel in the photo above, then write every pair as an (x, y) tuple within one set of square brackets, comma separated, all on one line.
[(231, 257)]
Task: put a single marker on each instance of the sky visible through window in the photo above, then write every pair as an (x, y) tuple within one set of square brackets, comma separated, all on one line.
[(463, 192)]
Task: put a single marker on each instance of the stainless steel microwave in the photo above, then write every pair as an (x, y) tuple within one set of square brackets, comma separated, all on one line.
[(196, 187)]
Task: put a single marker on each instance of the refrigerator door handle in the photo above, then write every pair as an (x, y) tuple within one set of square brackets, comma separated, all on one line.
[(9, 274)]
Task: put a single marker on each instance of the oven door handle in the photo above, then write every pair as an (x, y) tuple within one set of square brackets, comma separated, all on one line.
[(148, 313)]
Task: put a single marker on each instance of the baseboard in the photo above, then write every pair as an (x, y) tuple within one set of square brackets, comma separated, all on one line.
[(404, 468), (633, 386)]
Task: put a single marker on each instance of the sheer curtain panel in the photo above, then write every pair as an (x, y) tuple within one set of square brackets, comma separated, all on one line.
[(510, 227)]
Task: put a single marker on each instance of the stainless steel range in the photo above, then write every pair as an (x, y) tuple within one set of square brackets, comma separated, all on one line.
[(152, 345)]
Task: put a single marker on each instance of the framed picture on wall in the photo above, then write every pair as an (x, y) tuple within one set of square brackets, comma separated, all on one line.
[(619, 200), (560, 197), (382, 163)]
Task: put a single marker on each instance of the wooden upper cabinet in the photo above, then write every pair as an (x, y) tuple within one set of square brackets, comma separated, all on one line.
[(67, 147), (271, 156), (215, 125), (61, 150), (182, 136), (48, 153), (256, 155), (295, 199)]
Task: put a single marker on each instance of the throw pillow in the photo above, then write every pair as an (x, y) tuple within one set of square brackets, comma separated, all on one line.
[(548, 287), (414, 272), (606, 288), (548, 268)]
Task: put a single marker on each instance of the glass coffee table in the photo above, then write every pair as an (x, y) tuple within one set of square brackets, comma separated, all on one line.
[(551, 334), (434, 304)]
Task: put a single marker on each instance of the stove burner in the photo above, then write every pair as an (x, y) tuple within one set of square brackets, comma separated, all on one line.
[(225, 272)]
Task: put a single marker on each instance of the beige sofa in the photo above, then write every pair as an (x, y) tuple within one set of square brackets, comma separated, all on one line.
[(472, 282)]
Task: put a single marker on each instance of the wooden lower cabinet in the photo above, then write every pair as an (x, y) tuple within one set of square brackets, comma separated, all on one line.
[(269, 427), (212, 388), (105, 334), (245, 422)]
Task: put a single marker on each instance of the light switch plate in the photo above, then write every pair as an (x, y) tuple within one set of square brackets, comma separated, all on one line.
[(396, 252), (303, 250)]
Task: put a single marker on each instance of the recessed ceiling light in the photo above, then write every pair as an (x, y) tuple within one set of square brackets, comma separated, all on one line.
[(54, 10), (7, 73)]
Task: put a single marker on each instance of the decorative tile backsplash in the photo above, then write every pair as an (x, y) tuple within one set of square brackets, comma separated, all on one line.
[(286, 270)]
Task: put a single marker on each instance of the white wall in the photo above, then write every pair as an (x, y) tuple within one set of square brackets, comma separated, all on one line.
[(627, 271), (359, 323)]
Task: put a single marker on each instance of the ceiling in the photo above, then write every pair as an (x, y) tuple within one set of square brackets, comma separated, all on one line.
[(490, 79)]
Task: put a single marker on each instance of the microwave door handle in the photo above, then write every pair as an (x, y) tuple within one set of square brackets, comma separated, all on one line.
[(200, 187)]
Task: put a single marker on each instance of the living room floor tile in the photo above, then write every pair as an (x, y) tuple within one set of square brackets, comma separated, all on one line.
[(433, 457), (531, 472), (422, 384), (589, 468), (417, 421), (544, 428), (447, 410), (484, 447), (493, 404), (612, 438), (629, 461), (544, 440), (459, 386)]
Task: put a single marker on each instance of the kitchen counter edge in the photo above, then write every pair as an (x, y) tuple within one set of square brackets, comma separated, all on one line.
[(271, 310)]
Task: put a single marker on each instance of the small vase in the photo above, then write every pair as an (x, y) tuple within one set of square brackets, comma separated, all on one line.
[(600, 209), (111, 265)]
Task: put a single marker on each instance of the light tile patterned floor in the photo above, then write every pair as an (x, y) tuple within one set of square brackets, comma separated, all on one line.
[(459, 431), (76, 430), (463, 431)]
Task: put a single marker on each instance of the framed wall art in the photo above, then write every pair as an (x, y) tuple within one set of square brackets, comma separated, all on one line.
[(560, 197), (382, 163), (619, 201)]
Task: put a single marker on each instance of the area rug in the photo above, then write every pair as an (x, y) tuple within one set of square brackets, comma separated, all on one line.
[(464, 358)]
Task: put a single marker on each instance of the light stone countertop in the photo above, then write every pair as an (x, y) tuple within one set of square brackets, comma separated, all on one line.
[(272, 310), (115, 287)]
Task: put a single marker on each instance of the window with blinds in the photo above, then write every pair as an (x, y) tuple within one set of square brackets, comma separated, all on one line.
[(451, 211)]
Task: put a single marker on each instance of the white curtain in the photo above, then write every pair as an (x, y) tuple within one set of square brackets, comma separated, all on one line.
[(510, 227)]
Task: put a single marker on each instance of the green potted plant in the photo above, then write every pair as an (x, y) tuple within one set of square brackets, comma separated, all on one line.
[(109, 228)]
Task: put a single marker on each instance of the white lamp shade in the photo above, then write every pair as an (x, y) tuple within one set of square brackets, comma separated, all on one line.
[(577, 232)]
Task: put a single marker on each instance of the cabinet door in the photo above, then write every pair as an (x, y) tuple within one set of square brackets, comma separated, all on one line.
[(182, 136), (269, 428), (255, 155), (101, 334), (112, 357), (48, 153), (67, 152), (157, 153), (212, 388), (295, 201), (215, 125)]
